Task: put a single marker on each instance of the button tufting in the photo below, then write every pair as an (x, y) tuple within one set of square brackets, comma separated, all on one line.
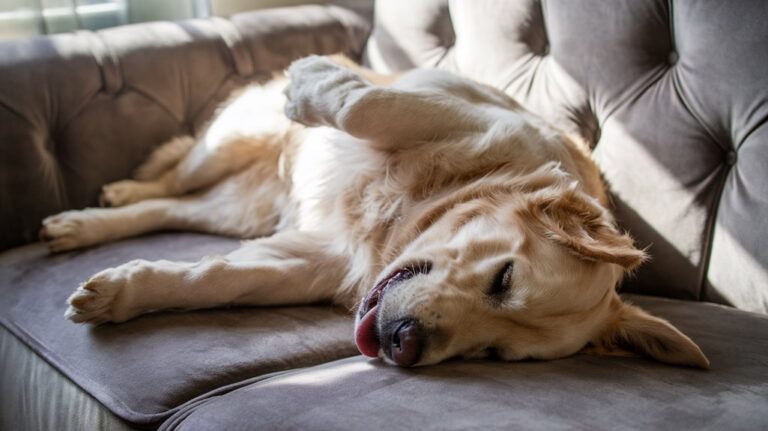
[(673, 57), (731, 157)]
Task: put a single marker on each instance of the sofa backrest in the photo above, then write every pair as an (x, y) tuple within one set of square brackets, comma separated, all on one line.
[(672, 95)]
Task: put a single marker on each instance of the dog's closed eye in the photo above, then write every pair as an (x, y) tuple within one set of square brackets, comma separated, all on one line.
[(502, 283)]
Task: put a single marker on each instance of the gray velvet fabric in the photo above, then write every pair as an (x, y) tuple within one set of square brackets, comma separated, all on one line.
[(83, 109), (581, 392), (144, 369), (673, 95), (35, 396)]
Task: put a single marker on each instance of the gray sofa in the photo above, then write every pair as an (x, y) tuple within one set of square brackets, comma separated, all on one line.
[(672, 95)]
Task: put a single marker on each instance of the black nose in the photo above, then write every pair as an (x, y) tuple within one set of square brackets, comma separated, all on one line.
[(405, 342)]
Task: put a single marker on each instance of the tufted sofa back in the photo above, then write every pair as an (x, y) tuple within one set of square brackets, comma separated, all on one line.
[(671, 94)]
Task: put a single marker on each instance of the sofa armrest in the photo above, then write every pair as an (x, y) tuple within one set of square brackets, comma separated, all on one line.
[(83, 109)]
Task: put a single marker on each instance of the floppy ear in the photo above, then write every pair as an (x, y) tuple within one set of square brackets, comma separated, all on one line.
[(635, 331), (579, 223)]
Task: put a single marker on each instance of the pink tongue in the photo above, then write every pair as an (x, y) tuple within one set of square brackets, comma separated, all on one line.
[(365, 334)]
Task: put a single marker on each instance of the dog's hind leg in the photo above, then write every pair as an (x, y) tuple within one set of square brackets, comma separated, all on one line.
[(250, 129), (164, 158), (288, 268), (246, 205), (151, 177), (198, 169)]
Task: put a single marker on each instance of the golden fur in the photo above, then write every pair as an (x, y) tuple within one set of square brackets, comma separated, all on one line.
[(498, 220)]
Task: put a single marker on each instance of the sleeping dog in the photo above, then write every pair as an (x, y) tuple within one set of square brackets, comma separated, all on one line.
[(457, 223)]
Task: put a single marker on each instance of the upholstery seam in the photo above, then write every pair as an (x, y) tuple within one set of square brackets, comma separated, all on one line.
[(233, 46), (154, 100), (448, 47), (643, 88), (108, 54), (678, 86), (195, 115), (749, 133), (526, 64), (16, 113), (709, 233), (709, 227)]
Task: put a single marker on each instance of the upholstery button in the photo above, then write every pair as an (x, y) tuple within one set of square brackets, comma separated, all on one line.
[(673, 57), (730, 158)]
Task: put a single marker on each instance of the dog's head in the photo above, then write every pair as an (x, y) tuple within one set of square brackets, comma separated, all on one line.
[(525, 270)]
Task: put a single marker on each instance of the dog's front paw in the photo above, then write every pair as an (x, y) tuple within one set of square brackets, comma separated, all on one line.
[(317, 90), (69, 230), (105, 297)]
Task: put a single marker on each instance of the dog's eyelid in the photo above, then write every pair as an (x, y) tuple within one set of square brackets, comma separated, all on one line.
[(502, 281)]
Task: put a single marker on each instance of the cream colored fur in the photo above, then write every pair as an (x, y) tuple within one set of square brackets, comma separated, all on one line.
[(429, 168)]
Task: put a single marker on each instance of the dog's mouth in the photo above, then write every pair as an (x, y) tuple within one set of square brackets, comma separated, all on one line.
[(367, 336)]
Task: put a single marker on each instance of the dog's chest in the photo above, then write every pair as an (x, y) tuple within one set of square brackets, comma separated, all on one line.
[(340, 187)]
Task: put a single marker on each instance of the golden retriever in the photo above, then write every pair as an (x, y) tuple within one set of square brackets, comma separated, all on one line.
[(458, 223)]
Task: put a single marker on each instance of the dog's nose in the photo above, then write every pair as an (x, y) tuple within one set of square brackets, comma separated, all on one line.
[(405, 342)]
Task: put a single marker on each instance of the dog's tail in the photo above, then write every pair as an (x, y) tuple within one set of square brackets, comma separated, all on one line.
[(165, 157)]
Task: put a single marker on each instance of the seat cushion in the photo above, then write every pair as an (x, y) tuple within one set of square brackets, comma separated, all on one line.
[(580, 392), (44, 396), (145, 369)]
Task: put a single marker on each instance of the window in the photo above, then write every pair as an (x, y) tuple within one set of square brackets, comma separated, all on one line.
[(19, 18)]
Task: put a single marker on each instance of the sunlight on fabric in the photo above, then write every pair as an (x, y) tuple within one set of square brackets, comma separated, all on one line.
[(323, 375), (738, 277), (668, 206)]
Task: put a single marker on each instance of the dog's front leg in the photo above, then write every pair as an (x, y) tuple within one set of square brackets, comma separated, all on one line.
[(285, 269), (323, 92)]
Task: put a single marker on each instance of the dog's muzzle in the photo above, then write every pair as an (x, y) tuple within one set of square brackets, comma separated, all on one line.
[(404, 342), (400, 340)]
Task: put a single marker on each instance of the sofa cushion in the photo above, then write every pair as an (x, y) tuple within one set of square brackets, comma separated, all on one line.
[(673, 96), (145, 369), (580, 392)]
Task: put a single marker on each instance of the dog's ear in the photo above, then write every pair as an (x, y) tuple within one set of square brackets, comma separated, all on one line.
[(636, 332), (578, 222)]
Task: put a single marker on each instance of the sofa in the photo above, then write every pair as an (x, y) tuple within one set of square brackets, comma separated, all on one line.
[(671, 95)]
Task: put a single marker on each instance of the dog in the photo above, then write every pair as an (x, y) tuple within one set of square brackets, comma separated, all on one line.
[(457, 223)]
